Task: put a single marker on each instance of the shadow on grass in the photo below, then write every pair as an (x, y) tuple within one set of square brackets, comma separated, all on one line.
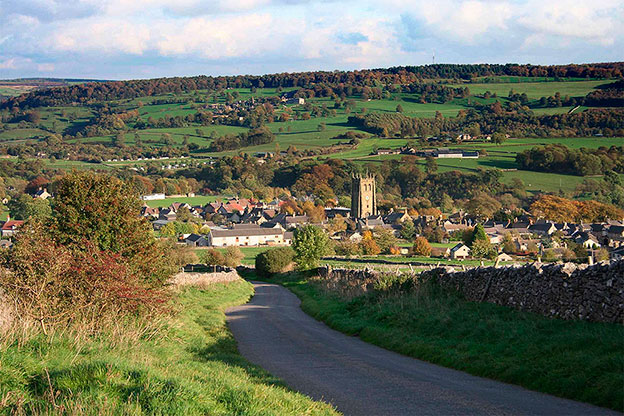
[(61, 388)]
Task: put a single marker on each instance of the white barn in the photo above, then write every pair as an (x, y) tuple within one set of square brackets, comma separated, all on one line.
[(246, 236)]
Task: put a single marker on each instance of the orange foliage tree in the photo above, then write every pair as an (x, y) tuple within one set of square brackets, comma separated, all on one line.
[(560, 209)]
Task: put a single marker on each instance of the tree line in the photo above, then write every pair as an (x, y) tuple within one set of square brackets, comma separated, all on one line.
[(558, 158), (115, 90)]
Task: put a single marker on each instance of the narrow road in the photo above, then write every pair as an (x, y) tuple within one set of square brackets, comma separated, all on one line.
[(361, 379)]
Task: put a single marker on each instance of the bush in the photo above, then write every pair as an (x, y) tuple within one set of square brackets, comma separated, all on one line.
[(275, 260), (212, 257), (347, 248), (53, 284), (233, 256)]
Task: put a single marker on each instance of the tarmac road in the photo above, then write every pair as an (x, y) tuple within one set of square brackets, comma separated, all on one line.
[(362, 379)]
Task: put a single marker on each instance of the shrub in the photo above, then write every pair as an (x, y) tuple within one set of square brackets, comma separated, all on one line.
[(347, 248), (52, 284), (275, 260), (233, 256), (212, 257)]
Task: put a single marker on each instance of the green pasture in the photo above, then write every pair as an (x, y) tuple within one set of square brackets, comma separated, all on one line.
[(191, 200), (535, 90)]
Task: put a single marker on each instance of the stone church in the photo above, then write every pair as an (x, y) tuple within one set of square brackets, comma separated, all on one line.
[(363, 196)]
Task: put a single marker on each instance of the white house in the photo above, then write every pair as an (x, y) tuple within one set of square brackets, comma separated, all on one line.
[(246, 236), (460, 251), (153, 197)]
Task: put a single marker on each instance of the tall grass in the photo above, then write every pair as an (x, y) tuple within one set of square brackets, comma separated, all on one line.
[(185, 363)]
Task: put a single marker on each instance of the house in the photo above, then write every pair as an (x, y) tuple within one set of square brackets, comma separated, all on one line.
[(504, 257), (167, 214), (370, 223), (586, 239), (495, 238), (355, 237), (158, 224), (335, 211), (451, 227), (153, 197), (147, 211), (196, 240), (615, 234), (442, 252), (246, 236), (542, 228), (295, 221), (396, 218), (617, 254), (10, 227), (459, 251), (42, 193), (288, 236)]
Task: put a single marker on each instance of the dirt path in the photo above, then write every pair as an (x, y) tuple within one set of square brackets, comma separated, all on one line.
[(362, 379)]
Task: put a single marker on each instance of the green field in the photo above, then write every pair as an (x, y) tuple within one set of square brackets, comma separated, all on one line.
[(535, 90), (183, 364), (191, 200), (499, 156), (578, 360)]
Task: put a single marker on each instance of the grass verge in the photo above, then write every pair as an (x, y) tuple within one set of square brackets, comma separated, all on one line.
[(572, 359), (188, 364)]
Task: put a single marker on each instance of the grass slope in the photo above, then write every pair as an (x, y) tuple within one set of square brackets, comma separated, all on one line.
[(189, 367), (577, 360)]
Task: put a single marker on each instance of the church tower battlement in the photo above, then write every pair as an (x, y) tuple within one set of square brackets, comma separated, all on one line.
[(363, 196)]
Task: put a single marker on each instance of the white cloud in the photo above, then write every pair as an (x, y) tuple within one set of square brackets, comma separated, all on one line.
[(8, 64), (100, 35), (222, 37), (45, 67), (597, 22), (134, 36)]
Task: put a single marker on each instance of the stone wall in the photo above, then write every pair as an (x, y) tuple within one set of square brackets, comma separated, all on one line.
[(567, 291)]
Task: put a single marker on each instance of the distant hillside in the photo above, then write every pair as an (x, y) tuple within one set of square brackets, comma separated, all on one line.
[(319, 81), (14, 87)]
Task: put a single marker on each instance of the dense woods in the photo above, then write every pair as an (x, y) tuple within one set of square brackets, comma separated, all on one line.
[(560, 159), (517, 121)]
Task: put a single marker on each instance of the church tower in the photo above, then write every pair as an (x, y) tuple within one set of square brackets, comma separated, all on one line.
[(363, 196)]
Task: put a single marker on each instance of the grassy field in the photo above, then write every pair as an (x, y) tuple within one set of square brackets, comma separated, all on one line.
[(187, 364), (578, 360), (191, 200), (535, 90), (499, 156)]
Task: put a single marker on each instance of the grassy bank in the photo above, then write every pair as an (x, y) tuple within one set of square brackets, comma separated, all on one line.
[(577, 360), (187, 364)]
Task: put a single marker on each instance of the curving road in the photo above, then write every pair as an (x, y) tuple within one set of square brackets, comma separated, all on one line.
[(361, 379)]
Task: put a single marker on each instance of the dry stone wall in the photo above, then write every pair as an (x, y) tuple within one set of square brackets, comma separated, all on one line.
[(567, 291)]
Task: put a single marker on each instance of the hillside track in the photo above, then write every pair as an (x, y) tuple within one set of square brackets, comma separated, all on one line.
[(362, 379)]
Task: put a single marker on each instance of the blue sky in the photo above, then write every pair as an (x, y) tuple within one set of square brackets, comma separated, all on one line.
[(122, 39)]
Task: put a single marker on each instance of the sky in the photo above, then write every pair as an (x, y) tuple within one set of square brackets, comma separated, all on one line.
[(126, 39)]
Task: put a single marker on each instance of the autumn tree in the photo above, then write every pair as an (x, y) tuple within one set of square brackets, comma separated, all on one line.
[(104, 210), (483, 205), (369, 245), (421, 247)]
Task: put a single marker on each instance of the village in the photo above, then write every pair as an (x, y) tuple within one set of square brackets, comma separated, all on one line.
[(253, 223)]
